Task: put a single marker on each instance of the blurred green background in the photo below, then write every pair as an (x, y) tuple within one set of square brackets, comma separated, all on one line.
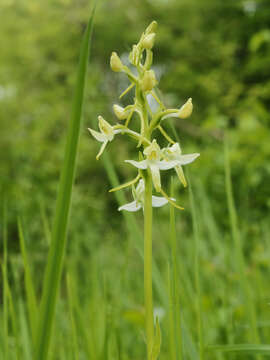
[(218, 53)]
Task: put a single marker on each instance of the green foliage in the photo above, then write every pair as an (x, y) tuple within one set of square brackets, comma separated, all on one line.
[(217, 52)]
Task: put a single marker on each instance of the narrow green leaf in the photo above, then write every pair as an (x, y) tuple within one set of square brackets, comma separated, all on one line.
[(29, 287), (172, 330), (5, 283), (197, 271), (72, 320), (157, 342), (59, 230), (25, 335), (175, 315), (254, 349), (14, 321)]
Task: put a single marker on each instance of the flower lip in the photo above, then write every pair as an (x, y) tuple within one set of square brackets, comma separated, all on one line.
[(138, 202), (105, 135), (106, 128)]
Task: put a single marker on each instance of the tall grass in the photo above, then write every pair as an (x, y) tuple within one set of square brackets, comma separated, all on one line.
[(59, 230)]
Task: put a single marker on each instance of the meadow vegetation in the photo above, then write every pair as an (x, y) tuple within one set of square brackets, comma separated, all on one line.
[(211, 261)]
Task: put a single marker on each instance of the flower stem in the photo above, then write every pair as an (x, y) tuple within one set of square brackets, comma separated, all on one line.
[(149, 323)]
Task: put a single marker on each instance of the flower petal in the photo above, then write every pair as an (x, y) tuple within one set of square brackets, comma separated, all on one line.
[(138, 164), (101, 150), (98, 136), (132, 206), (155, 176), (158, 201), (187, 159), (180, 173), (166, 165)]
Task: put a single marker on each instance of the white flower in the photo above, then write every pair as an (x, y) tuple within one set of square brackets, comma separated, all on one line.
[(174, 153), (105, 135), (153, 162), (138, 203)]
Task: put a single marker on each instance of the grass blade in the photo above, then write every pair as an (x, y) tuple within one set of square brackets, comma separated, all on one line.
[(75, 346), (5, 283), (242, 348), (14, 322), (59, 231), (29, 287), (25, 335), (176, 331), (197, 270)]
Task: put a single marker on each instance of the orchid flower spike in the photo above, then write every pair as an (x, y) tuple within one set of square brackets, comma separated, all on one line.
[(105, 135), (153, 154), (138, 203), (174, 153)]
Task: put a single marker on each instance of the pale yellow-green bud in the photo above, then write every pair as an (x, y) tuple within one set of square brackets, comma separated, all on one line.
[(151, 28), (116, 63), (148, 81), (148, 41), (186, 110), (120, 112)]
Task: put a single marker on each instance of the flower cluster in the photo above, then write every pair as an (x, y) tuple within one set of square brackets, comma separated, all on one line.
[(152, 159)]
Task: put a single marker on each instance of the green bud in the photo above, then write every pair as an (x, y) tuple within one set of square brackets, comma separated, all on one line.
[(120, 112), (116, 63), (148, 41), (151, 28), (186, 110), (148, 81)]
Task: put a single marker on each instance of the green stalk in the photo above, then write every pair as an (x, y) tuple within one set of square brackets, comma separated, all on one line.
[(59, 231), (5, 283), (175, 304), (197, 271), (148, 296)]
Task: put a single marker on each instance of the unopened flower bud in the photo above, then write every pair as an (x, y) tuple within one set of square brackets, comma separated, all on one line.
[(151, 28), (186, 110), (116, 63), (148, 41), (120, 112), (134, 55), (148, 80)]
